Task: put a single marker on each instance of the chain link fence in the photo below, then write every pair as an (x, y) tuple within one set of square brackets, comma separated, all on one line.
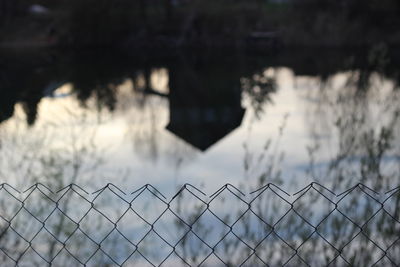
[(267, 227)]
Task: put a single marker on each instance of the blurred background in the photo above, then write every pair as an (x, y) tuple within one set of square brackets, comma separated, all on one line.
[(169, 92), (179, 91), (207, 92)]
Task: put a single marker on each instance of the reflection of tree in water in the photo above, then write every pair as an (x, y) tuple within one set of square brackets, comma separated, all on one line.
[(367, 126), (204, 105), (365, 115), (55, 152), (366, 148), (258, 89)]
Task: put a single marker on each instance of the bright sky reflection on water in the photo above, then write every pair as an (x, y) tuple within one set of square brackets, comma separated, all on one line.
[(303, 122)]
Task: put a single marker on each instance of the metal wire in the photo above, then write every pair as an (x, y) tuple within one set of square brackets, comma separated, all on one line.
[(267, 227)]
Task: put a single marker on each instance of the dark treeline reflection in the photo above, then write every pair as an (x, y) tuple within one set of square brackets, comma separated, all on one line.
[(195, 78), (204, 88)]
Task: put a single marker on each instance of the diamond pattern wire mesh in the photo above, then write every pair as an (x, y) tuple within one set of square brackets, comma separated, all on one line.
[(267, 227)]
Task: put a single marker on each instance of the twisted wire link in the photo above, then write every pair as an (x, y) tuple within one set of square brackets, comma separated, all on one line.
[(267, 227)]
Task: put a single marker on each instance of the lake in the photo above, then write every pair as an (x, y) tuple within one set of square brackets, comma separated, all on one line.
[(206, 118)]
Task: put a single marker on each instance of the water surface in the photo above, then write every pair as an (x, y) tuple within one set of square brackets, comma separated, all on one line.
[(204, 118)]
